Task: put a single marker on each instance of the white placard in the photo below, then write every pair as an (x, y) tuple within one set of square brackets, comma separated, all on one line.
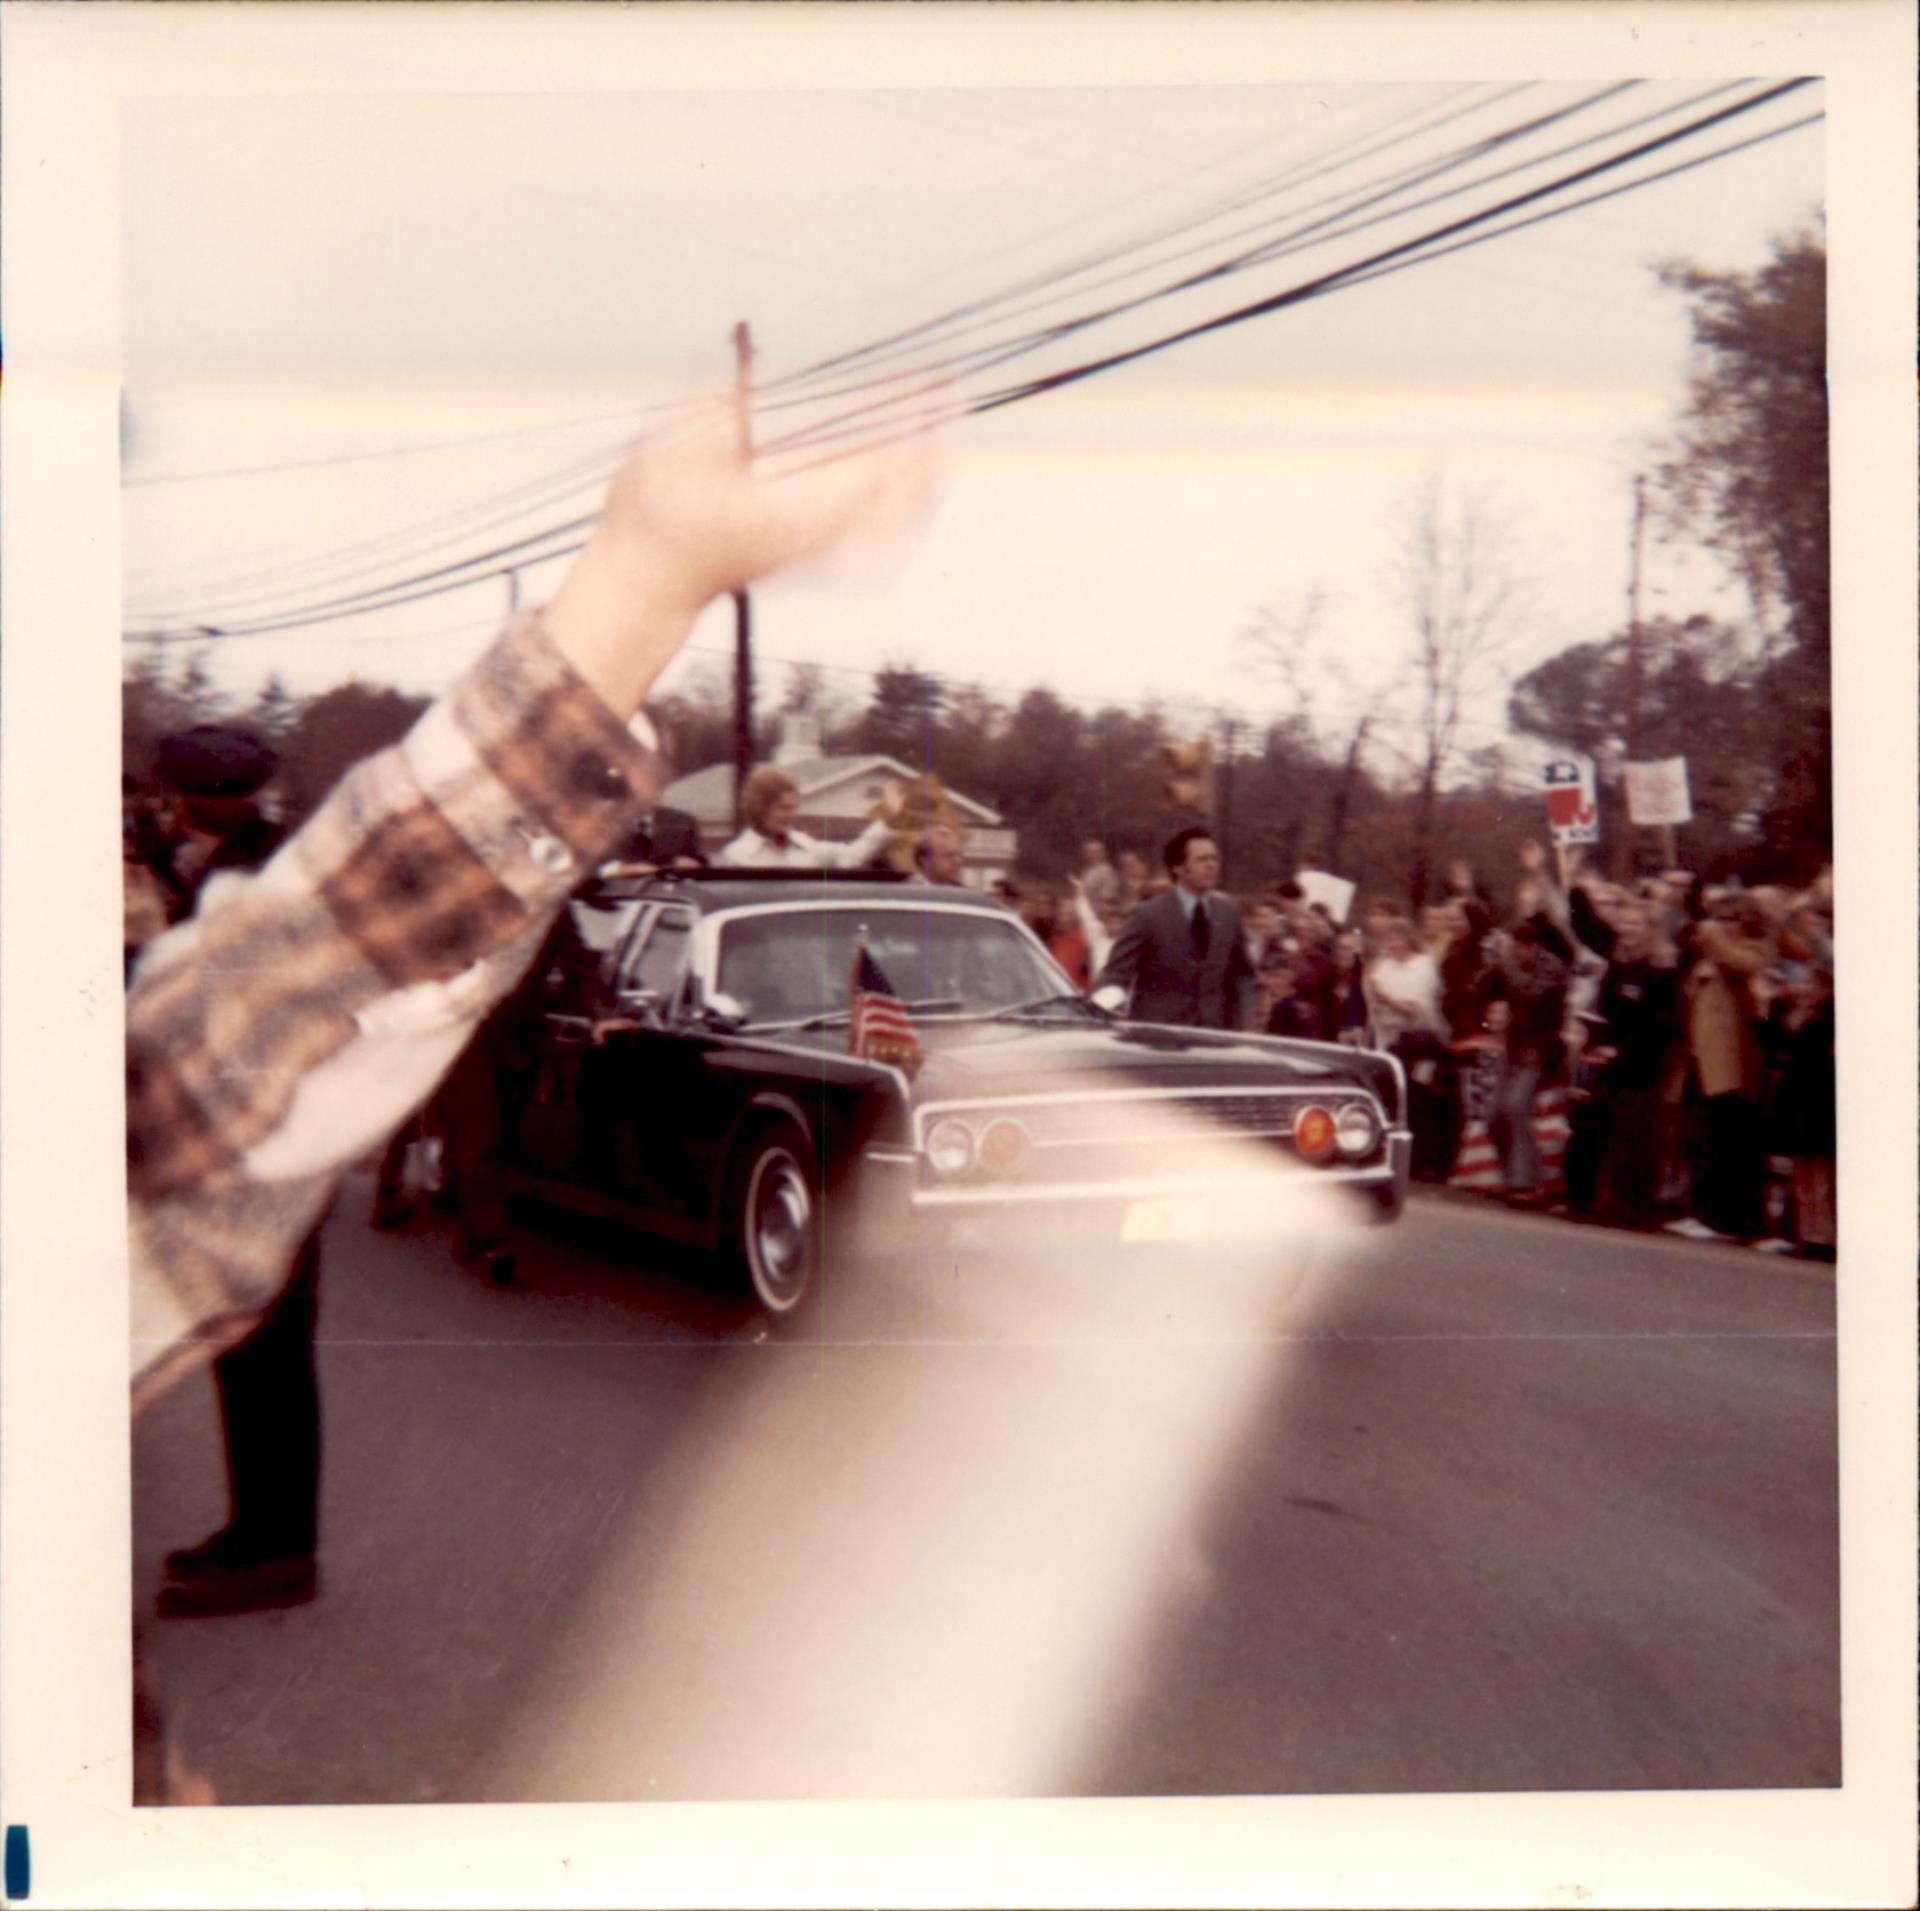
[(1333, 893), (1657, 792)]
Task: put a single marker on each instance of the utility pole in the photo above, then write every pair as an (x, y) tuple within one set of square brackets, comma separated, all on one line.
[(742, 607), (1623, 856), (1231, 737), (513, 592)]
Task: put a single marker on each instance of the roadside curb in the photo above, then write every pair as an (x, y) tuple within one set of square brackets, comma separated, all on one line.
[(1438, 1193)]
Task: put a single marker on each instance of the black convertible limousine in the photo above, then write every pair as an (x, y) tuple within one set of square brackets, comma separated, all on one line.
[(693, 1078)]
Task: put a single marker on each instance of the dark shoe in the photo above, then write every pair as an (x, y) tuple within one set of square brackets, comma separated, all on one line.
[(213, 1552), (261, 1585)]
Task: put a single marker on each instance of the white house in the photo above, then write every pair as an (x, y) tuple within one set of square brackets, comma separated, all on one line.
[(839, 796)]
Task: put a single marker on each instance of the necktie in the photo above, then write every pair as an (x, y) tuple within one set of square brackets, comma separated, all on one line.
[(1202, 930)]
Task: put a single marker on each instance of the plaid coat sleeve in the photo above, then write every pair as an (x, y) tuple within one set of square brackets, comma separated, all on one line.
[(306, 1010)]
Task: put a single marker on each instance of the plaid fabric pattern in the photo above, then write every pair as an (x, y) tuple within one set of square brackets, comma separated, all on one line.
[(415, 902), (442, 858)]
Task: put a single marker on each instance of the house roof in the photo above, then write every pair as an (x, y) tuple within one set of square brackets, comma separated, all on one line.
[(708, 793)]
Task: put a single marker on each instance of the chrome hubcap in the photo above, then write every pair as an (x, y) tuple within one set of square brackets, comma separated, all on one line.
[(780, 1220)]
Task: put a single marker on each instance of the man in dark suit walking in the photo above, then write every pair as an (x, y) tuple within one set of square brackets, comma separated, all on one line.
[(1182, 953)]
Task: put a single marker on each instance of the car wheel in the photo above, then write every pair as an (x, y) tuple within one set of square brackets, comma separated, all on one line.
[(775, 1217)]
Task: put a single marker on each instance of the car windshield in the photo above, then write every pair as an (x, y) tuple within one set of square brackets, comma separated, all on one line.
[(793, 965)]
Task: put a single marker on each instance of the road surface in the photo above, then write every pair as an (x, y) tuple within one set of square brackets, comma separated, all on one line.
[(1484, 1501)]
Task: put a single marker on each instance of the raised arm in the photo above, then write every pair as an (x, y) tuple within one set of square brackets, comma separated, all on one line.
[(308, 1009)]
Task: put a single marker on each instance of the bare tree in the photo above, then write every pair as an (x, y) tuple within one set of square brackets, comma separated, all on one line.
[(1452, 576), (1290, 640)]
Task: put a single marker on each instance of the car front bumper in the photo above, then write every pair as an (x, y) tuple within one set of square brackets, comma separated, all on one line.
[(1139, 1208)]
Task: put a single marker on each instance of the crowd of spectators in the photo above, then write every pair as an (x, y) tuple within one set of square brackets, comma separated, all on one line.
[(1656, 1053)]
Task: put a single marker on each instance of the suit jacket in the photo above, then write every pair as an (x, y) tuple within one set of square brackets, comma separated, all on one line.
[(670, 833), (1153, 957)]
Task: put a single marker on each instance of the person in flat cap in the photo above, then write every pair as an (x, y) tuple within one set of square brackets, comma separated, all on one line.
[(215, 772), (269, 1395)]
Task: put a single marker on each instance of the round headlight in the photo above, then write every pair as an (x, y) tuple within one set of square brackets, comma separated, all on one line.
[(1313, 1132), (1003, 1148), (1355, 1129), (950, 1147)]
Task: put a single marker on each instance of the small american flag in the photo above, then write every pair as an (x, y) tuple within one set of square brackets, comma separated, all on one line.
[(880, 1029)]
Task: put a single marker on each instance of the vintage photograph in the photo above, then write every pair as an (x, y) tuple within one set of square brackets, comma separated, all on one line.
[(1373, 627), (980, 937)]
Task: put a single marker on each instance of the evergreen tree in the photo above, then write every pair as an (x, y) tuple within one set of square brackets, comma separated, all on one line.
[(903, 717)]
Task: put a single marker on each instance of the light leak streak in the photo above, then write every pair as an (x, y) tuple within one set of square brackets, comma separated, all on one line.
[(923, 1568)]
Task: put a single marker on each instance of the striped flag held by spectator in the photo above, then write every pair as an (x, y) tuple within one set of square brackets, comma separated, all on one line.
[(879, 1029)]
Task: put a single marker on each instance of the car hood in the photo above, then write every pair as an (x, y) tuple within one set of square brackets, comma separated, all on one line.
[(968, 1060)]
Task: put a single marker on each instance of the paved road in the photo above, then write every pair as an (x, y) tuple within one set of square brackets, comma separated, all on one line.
[(1481, 1502)]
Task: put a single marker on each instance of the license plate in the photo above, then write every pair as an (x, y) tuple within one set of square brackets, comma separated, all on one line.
[(1172, 1218)]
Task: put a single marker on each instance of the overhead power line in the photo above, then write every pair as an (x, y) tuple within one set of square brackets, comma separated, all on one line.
[(1595, 198), (1300, 237), (264, 585), (1454, 235), (927, 331), (941, 372), (463, 441), (217, 595), (1380, 194), (1379, 265), (1260, 307)]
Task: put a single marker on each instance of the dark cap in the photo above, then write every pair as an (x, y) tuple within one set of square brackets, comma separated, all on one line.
[(214, 759)]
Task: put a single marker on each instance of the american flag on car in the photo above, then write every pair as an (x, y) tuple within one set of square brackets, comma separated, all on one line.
[(880, 1029)]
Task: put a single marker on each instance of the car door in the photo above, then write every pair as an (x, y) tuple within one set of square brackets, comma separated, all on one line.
[(642, 1085)]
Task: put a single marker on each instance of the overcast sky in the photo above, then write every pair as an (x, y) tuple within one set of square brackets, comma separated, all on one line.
[(316, 288)]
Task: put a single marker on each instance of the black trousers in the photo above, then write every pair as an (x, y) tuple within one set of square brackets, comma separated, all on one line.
[(1730, 1187), (1589, 1137), (270, 1417), (1613, 1154), (1433, 1104)]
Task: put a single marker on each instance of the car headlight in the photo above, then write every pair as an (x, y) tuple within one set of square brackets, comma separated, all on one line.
[(1004, 1147), (1355, 1130), (950, 1147)]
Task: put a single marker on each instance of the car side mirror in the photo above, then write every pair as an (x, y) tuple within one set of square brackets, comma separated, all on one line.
[(723, 1014), (1112, 998)]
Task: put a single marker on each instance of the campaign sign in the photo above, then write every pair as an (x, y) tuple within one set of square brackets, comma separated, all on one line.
[(1573, 812), (1657, 792), (1334, 892)]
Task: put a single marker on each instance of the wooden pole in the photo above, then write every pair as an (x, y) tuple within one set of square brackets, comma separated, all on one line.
[(1623, 855), (1230, 736), (742, 605)]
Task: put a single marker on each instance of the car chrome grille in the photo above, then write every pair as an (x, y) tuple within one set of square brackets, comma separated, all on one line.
[(1104, 1137), (1120, 1117)]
